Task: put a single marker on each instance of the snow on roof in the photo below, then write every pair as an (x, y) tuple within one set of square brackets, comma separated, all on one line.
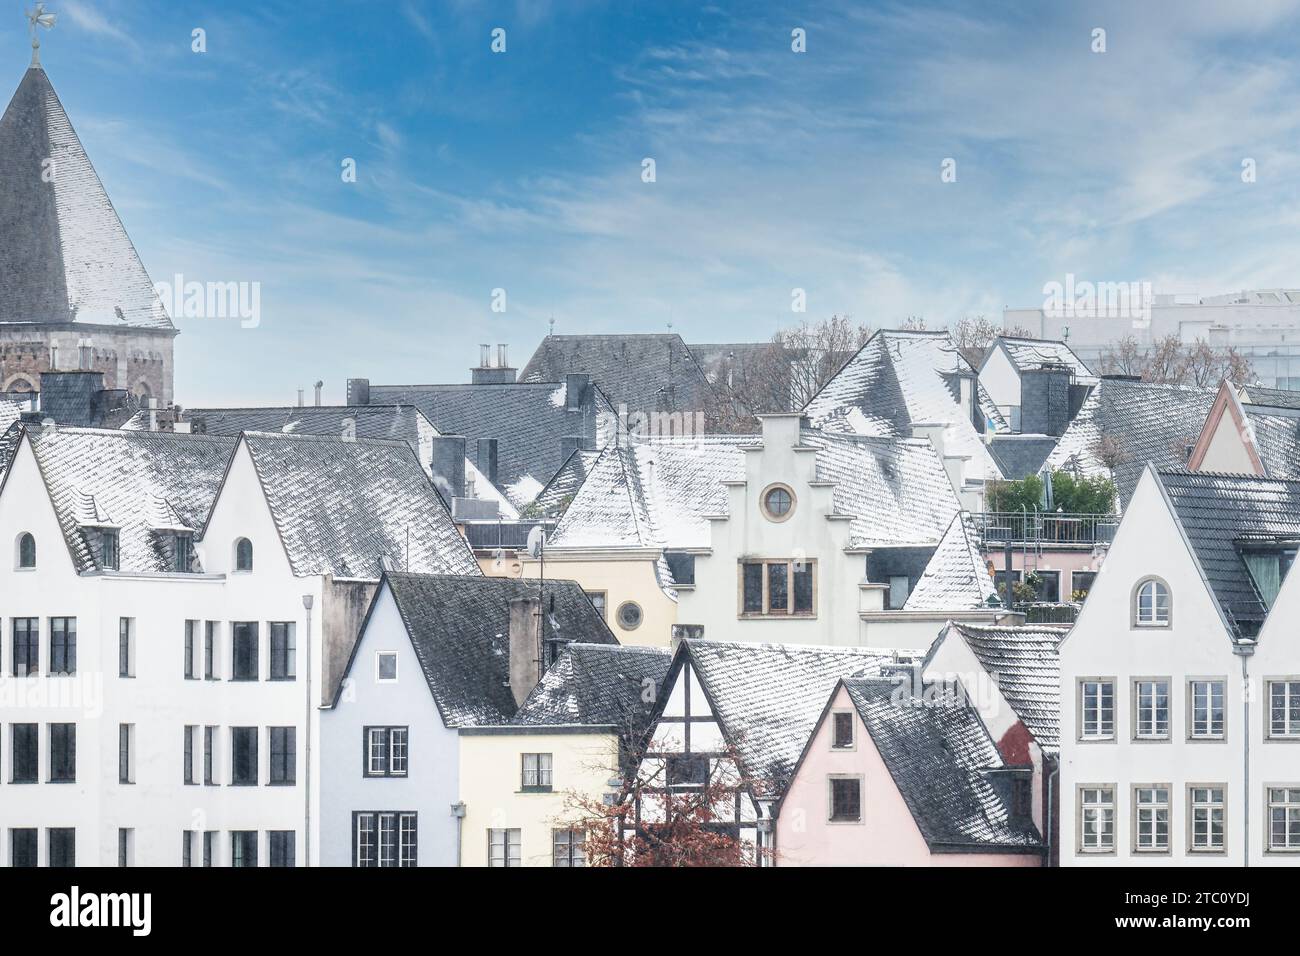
[(1035, 353), (899, 380), (1132, 423), (957, 577), (599, 684), (65, 256), (343, 507), (660, 492)]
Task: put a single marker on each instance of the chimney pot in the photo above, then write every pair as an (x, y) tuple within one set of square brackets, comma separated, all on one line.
[(358, 391), (448, 466), (501, 356), (319, 386), (525, 649), (485, 356), (300, 398)]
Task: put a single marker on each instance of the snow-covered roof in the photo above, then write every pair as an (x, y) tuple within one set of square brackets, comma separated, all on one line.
[(343, 507), (1035, 353), (65, 256), (899, 380), (768, 697), (939, 754), (599, 684), (146, 484), (661, 492), (1024, 662), (957, 577), (459, 628), (1132, 423)]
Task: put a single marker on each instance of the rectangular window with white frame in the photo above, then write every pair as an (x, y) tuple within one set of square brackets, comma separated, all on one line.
[(1096, 708), (505, 848), (1151, 709), (386, 667), (568, 848), (1284, 819), (385, 751), (845, 799), (1206, 711), (1151, 818), (536, 773), (1206, 818), (191, 649), (126, 647), (1096, 816), (1284, 709)]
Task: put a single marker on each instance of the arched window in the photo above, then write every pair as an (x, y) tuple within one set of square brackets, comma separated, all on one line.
[(243, 555), (1151, 605), (26, 550)]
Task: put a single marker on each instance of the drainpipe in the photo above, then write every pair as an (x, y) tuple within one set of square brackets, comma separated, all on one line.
[(1244, 648), (1051, 804), (307, 603), (458, 811)]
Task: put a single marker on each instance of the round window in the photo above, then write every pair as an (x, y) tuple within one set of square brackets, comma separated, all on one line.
[(777, 502), (629, 615)]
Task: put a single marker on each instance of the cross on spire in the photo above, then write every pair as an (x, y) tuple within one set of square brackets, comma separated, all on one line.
[(37, 17)]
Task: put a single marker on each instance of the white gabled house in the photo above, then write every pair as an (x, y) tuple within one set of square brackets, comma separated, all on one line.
[(171, 605), (1180, 704)]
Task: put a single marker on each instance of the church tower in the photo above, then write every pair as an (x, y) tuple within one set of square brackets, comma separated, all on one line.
[(74, 294)]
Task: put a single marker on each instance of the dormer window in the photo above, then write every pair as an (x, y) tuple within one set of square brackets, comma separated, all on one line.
[(26, 551), (183, 552), (1268, 568), (243, 555), (108, 550), (1151, 603)]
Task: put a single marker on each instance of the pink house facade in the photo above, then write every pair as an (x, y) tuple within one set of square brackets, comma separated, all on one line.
[(891, 778)]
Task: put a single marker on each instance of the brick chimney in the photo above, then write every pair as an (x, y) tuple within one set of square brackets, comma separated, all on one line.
[(525, 652), (485, 373), (575, 390), (485, 458)]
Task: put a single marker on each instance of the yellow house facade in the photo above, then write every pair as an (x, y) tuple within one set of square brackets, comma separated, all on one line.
[(523, 790)]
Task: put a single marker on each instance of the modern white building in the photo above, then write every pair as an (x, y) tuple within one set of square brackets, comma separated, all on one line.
[(173, 608), (1180, 704), (1262, 324)]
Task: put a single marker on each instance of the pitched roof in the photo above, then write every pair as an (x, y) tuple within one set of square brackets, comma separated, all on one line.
[(1024, 663), (660, 492), (899, 380), (1132, 423), (647, 373), (1221, 513), (563, 487), (342, 507), (1019, 456), (146, 484), (460, 630), (1034, 353), (1272, 397), (65, 256), (528, 420), (599, 684), (768, 697), (957, 577), (393, 422), (937, 752)]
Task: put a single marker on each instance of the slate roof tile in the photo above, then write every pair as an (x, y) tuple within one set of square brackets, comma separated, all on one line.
[(768, 697), (1035, 353), (1140, 422), (460, 630), (936, 751), (599, 684), (957, 576)]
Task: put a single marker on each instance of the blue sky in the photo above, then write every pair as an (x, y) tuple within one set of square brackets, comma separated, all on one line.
[(775, 170)]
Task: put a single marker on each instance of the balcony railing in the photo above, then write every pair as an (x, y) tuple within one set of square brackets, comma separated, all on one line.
[(511, 535), (1045, 528)]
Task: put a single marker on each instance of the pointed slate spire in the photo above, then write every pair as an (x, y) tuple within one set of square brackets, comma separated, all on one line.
[(64, 255)]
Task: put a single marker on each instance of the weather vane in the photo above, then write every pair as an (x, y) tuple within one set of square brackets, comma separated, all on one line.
[(37, 17)]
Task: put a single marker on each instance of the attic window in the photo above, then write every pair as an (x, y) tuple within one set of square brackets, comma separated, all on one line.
[(183, 551), (26, 551), (1267, 569), (842, 730), (243, 555), (778, 501), (108, 550)]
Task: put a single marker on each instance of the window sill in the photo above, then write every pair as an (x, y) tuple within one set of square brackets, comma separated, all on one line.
[(841, 823), (1097, 740), (60, 782), (281, 680), (535, 790), (244, 680), (282, 783), (758, 616), (1282, 738), (236, 783)]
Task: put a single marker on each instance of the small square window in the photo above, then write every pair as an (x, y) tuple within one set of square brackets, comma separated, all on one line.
[(846, 799), (386, 666)]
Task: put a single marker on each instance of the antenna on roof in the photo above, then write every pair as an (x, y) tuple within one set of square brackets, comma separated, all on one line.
[(551, 323), (37, 17)]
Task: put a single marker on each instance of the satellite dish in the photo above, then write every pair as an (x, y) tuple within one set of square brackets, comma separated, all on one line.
[(536, 542)]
